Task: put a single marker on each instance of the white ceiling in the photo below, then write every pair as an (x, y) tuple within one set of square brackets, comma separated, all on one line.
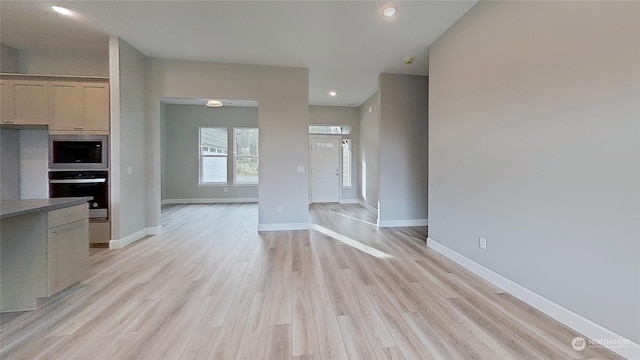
[(344, 44)]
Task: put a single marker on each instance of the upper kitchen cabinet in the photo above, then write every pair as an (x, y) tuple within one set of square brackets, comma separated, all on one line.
[(96, 106), (79, 107), (24, 102), (6, 107)]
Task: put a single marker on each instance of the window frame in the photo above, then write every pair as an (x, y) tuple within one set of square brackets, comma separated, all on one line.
[(201, 157), (343, 129), (236, 156), (350, 172)]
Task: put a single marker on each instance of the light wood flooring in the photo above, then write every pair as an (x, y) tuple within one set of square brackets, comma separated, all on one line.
[(212, 287)]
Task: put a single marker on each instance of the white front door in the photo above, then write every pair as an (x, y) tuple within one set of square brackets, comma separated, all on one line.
[(325, 168)]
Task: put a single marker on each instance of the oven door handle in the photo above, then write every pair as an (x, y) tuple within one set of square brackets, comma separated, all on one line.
[(78, 181)]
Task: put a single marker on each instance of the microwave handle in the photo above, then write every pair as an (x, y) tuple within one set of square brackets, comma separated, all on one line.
[(78, 181)]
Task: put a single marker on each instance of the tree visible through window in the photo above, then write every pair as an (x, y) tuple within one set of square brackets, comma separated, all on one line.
[(246, 156), (213, 155)]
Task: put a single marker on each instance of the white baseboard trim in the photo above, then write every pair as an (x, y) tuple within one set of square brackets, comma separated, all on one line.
[(209, 201), (283, 226), (565, 316), (367, 205), (130, 239), (154, 230), (403, 223), (349, 201)]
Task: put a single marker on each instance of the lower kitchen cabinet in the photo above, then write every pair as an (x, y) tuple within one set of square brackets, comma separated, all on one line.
[(44, 248), (67, 247)]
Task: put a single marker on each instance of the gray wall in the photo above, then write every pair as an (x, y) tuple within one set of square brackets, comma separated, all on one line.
[(25, 164), (181, 172), (34, 164), (10, 164), (128, 140), (403, 149), (47, 63), (342, 115), (9, 59), (369, 148), (283, 117), (534, 144)]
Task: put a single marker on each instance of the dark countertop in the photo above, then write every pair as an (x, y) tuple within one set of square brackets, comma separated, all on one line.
[(9, 208)]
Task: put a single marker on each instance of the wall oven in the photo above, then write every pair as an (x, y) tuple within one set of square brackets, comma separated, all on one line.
[(86, 152), (83, 183)]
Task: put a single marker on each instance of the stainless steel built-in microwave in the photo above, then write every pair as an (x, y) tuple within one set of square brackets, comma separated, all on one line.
[(86, 152)]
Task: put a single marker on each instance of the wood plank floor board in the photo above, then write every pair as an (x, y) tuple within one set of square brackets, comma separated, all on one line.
[(279, 343), (254, 338), (367, 317), (408, 343), (357, 347), (304, 336), (200, 344), (210, 286), (393, 353)]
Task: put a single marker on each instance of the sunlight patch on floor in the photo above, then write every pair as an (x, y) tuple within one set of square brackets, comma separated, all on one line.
[(351, 242), (354, 218)]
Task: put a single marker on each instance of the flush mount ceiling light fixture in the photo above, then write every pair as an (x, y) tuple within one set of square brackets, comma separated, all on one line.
[(409, 60), (62, 11), (333, 93), (214, 103), (389, 11)]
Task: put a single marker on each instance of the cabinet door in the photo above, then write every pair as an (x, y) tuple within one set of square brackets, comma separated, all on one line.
[(96, 107), (30, 102), (6, 106), (67, 255), (66, 106)]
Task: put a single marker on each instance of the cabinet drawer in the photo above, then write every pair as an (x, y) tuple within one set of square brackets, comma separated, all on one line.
[(67, 215)]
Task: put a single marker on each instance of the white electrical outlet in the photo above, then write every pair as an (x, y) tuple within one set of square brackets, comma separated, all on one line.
[(482, 242), (280, 209), (225, 189)]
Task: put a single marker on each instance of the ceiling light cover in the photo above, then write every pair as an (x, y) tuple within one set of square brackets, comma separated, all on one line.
[(333, 93), (214, 103), (62, 11), (388, 12)]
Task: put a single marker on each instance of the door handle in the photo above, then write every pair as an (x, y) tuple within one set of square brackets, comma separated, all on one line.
[(78, 181)]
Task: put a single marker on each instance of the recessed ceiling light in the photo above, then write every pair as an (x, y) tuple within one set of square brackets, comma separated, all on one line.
[(62, 11), (388, 12), (214, 103), (333, 93)]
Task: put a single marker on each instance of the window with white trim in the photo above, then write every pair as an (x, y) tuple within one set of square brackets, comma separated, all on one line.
[(214, 149), (329, 129), (246, 156), (346, 162)]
